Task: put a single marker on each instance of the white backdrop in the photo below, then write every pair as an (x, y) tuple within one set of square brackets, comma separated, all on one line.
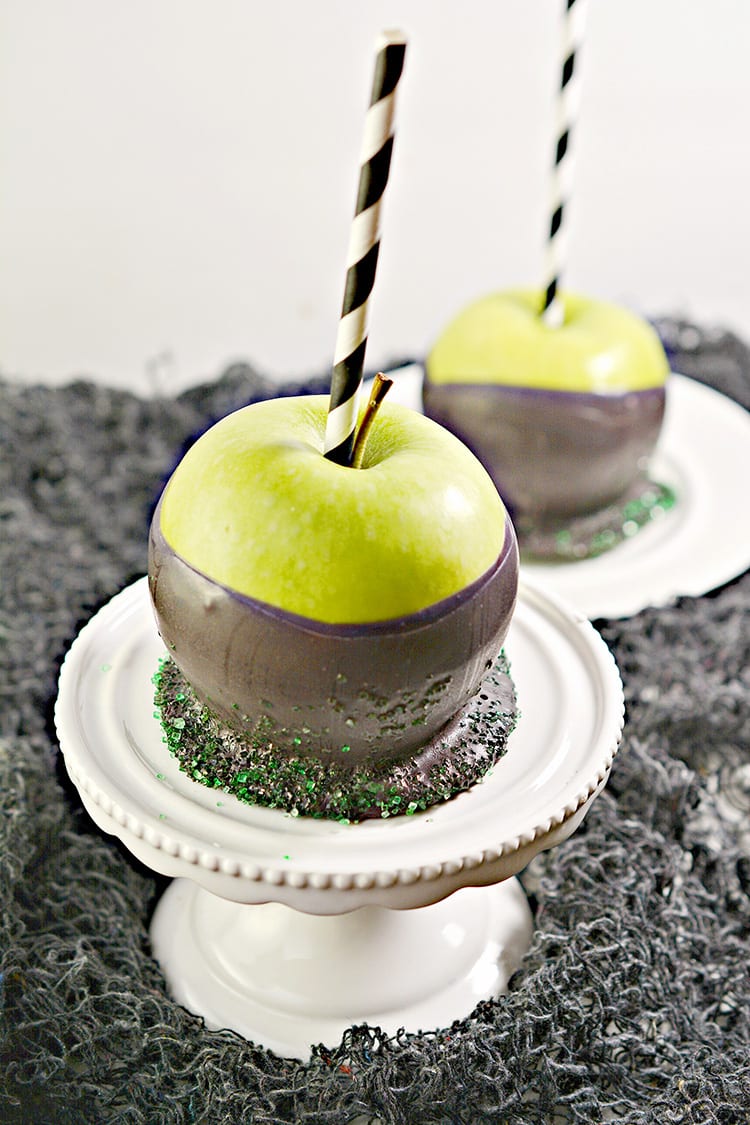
[(177, 176)]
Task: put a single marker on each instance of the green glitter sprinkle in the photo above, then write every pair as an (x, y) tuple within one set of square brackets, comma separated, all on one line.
[(106, 667), (253, 771), (591, 535)]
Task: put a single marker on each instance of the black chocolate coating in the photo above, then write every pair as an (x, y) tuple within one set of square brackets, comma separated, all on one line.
[(369, 692), (552, 454)]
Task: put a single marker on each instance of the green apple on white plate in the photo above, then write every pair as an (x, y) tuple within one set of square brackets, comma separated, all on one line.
[(564, 418)]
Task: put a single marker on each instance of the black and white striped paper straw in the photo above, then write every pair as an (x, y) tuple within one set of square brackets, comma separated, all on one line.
[(562, 172), (364, 245)]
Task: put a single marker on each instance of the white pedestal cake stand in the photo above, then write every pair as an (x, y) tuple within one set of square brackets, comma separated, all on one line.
[(290, 930)]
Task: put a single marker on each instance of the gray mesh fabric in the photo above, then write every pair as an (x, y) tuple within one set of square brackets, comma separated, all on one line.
[(633, 1004)]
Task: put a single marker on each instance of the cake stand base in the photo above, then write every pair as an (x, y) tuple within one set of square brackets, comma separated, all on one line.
[(289, 980)]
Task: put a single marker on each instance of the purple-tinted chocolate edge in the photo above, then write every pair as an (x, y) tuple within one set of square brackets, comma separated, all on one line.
[(409, 622), (552, 454), (585, 397)]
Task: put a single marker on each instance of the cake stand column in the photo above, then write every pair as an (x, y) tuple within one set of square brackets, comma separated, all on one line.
[(288, 980)]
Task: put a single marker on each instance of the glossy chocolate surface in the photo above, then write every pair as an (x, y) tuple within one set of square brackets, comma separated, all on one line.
[(552, 454), (359, 693)]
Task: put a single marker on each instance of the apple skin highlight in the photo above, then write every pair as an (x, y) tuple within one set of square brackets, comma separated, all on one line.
[(564, 419), (356, 692)]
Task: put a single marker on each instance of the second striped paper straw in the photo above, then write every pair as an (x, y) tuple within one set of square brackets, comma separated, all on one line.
[(364, 245), (568, 106)]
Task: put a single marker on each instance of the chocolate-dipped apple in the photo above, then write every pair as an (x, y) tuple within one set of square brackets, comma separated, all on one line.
[(338, 616), (564, 417)]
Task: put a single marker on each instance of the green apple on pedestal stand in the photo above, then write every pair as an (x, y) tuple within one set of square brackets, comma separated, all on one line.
[(332, 608), (564, 418)]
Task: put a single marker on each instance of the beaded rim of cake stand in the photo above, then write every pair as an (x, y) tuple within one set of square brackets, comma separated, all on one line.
[(211, 861), (341, 881)]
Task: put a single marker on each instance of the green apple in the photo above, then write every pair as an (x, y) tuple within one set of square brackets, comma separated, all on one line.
[(502, 338), (322, 609), (256, 506), (564, 418)]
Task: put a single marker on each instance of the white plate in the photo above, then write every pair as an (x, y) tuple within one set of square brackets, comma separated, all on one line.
[(571, 704), (703, 542)]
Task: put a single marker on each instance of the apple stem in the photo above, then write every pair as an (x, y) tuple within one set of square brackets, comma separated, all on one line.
[(380, 387)]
